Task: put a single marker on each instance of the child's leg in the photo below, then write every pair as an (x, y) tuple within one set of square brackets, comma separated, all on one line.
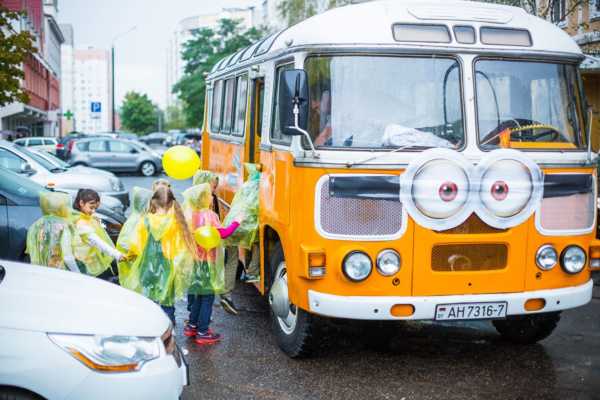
[(195, 310), (254, 265), (205, 313)]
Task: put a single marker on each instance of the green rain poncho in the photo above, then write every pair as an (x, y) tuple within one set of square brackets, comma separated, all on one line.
[(50, 240), (245, 201), (202, 176), (96, 251), (208, 276), (139, 206), (163, 262)]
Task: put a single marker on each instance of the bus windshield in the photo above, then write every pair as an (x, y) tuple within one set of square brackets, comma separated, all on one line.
[(382, 102), (528, 105)]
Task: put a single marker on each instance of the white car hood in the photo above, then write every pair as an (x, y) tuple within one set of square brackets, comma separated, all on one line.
[(45, 299), (80, 169)]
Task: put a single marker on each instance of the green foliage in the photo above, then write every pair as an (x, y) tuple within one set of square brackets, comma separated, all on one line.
[(200, 54), (138, 114), (15, 47), (294, 11), (175, 118)]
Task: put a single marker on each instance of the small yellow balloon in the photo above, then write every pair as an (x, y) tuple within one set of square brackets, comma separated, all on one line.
[(180, 162), (207, 237)]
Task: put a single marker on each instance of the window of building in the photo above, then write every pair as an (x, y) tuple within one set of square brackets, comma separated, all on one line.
[(228, 105), (594, 9), (217, 102), (557, 13), (241, 102), (276, 135)]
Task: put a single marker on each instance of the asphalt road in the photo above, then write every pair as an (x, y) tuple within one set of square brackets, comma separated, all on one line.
[(420, 361)]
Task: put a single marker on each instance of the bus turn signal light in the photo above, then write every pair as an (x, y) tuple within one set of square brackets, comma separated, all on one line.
[(535, 304), (316, 265), (595, 257), (402, 310)]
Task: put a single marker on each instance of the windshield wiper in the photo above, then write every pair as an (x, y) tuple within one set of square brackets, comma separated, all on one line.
[(350, 164)]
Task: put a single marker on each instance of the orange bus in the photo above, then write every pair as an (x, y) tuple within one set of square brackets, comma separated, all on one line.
[(420, 161)]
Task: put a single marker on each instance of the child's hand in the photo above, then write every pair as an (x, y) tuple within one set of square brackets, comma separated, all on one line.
[(240, 217)]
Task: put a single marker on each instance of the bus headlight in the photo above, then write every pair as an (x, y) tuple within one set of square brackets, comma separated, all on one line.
[(357, 266), (546, 257), (388, 262), (573, 259)]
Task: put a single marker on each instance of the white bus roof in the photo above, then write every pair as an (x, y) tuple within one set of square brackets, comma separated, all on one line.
[(370, 24)]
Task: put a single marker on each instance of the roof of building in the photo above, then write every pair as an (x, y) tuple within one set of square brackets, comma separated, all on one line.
[(370, 24)]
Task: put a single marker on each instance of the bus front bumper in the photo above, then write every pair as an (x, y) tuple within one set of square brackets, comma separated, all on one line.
[(379, 307)]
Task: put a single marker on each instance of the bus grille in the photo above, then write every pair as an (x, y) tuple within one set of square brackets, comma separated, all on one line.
[(469, 257), (351, 217), (473, 225)]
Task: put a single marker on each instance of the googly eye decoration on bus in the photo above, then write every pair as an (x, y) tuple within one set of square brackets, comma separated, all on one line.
[(441, 189)]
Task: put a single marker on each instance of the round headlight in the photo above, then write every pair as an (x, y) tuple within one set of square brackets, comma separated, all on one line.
[(388, 262), (357, 266), (546, 257), (573, 259)]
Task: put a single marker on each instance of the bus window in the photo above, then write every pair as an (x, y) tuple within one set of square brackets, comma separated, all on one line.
[(408, 101), (217, 100), (240, 109), (276, 135), (228, 106), (256, 118)]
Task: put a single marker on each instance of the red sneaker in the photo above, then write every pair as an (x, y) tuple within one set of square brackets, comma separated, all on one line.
[(190, 330), (207, 338)]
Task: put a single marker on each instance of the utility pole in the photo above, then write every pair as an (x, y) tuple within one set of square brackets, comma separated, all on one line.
[(112, 53)]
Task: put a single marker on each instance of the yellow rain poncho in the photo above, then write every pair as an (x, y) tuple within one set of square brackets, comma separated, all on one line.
[(208, 276), (139, 206), (245, 201), (163, 263), (96, 251), (50, 240), (202, 176)]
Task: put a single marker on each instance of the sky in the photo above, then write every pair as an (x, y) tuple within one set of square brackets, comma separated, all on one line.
[(140, 56)]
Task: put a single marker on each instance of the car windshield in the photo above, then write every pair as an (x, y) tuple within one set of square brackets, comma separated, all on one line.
[(378, 102), (528, 105), (17, 185), (41, 160)]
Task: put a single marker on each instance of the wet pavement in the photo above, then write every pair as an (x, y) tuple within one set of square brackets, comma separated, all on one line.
[(419, 361)]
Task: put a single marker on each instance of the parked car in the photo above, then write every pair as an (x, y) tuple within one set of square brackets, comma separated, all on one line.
[(23, 161), (44, 143), (78, 168), (116, 155), (19, 209), (128, 136), (154, 138), (64, 145), (71, 336)]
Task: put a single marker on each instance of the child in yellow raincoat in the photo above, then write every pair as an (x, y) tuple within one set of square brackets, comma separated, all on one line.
[(164, 252), (208, 275), (140, 200), (96, 251), (51, 238)]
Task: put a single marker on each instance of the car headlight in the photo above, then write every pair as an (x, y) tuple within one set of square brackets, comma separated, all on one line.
[(116, 185), (357, 266), (388, 262), (109, 353), (546, 257), (573, 259)]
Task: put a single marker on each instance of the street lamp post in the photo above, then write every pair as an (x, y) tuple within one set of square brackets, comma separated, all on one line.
[(112, 56)]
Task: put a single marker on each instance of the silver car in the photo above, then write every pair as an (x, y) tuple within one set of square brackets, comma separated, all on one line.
[(18, 159), (116, 155)]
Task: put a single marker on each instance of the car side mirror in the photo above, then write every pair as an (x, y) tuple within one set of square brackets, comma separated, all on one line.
[(293, 92), (133, 151), (26, 169)]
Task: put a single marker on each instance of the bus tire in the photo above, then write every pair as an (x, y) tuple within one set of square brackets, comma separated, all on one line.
[(295, 333), (527, 329)]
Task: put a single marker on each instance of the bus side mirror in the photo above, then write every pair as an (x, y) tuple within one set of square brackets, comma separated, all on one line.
[(293, 102)]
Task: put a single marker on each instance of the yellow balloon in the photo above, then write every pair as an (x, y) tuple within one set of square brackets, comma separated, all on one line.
[(180, 162), (207, 237)]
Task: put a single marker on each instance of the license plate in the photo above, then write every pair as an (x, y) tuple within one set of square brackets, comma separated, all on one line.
[(461, 311)]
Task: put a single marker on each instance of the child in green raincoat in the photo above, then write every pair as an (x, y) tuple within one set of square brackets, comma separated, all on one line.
[(96, 250), (139, 206), (208, 275), (164, 252), (51, 238)]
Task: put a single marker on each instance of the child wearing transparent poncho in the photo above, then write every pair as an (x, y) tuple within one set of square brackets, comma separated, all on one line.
[(96, 251), (207, 278), (139, 207), (51, 238), (163, 251)]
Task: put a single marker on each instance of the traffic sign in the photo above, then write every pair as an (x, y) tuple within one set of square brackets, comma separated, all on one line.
[(68, 115), (96, 106)]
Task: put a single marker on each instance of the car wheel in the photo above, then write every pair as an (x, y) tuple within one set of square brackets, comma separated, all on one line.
[(293, 327), (147, 168), (9, 393), (527, 329)]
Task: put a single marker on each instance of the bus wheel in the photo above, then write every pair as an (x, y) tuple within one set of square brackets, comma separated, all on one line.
[(527, 329), (293, 327)]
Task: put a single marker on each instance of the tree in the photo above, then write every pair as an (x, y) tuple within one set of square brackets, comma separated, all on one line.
[(138, 114), (555, 10), (175, 118), (294, 11), (200, 54), (15, 47)]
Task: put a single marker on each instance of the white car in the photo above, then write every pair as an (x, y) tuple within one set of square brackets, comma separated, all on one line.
[(70, 336), (43, 143)]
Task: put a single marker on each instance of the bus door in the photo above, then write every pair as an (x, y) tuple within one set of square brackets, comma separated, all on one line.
[(255, 119)]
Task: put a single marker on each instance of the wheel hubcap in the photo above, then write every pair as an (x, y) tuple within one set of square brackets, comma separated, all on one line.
[(285, 312), (148, 169)]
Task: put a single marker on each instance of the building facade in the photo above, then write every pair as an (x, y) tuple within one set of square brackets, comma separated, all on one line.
[(92, 90), (67, 81), (39, 116)]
